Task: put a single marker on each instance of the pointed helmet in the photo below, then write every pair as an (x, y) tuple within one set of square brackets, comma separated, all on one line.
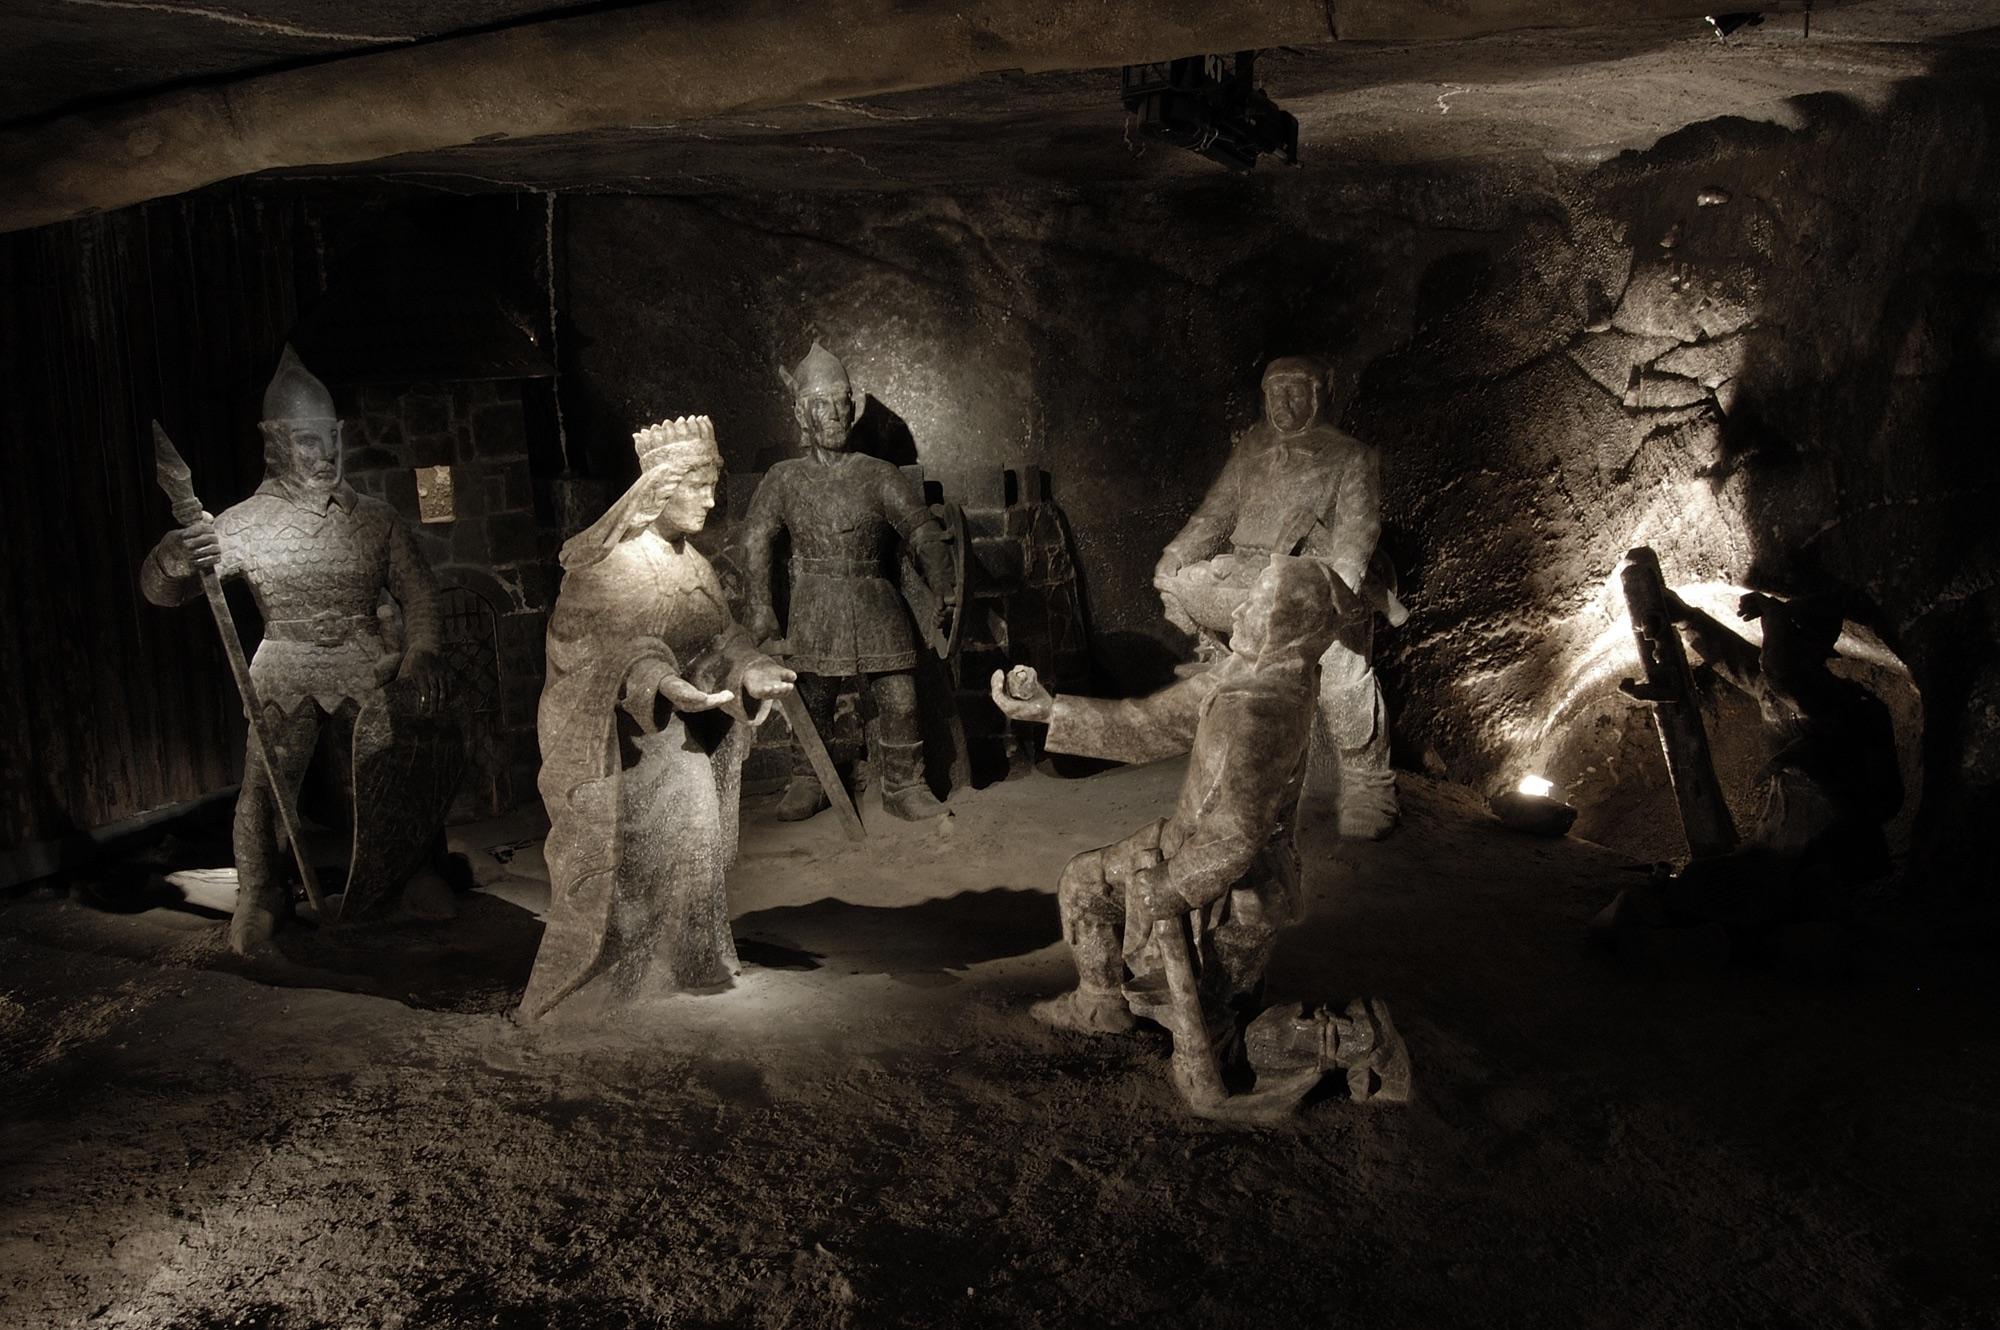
[(296, 394), (820, 372)]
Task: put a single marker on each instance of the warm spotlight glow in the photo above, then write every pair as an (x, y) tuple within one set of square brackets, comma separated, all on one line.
[(1537, 786)]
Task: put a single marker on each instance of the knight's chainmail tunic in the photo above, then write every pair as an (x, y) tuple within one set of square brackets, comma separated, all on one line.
[(317, 571)]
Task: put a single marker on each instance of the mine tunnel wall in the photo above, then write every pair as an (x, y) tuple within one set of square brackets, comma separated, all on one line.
[(1757, 347)]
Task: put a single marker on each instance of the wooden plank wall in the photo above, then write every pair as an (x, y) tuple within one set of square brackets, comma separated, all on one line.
[(110, 706)]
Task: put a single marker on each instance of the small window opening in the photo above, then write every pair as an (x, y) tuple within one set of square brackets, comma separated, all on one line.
[(434, 494)]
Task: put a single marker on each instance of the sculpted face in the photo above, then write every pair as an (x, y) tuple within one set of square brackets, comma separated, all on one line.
[(310, 450), (680, 501), (1291, 403), (825, 418)]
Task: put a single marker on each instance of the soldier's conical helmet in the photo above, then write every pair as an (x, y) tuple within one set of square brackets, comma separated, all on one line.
[(296, 392), (820, 372)]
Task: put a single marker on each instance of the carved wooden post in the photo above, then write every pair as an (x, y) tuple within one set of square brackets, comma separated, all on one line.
[(1669, 686)]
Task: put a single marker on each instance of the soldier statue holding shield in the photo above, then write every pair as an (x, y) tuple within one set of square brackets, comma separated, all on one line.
[(850, 517)]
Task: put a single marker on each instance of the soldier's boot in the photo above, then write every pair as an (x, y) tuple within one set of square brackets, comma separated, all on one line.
[(1367, 800), (1091, 909), (263, 887), (428, 895), (1086, 1010), (904, 791), (1349, 753), (263, 866), (803, 797)]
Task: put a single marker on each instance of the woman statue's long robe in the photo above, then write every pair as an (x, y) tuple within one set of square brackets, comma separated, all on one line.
[(642, 812)]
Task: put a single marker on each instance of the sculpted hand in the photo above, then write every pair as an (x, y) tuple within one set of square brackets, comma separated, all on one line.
[(1755, 605), (1020, 696), (761, 623), (767, 678), (199, 547), (1155, 897), (684, 696), (420, 670)]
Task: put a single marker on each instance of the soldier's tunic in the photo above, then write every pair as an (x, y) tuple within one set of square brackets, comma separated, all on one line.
[(1317, 493), (317, 574), (845, 513), (317, 569)]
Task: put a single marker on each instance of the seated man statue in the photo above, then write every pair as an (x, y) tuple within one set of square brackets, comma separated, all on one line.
[(1227, 858), (318, 558), (1294, 484), (1835, 780)]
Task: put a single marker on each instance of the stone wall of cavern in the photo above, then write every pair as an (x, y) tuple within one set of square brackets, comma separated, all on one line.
[(1758, 347)]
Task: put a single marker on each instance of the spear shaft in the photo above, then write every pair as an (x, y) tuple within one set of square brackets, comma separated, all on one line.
[(175, 478)]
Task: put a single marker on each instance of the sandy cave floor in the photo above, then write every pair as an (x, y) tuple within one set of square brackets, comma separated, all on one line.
[(867, 1130)]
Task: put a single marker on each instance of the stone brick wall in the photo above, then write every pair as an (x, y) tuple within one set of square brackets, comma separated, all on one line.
[(496, 557)]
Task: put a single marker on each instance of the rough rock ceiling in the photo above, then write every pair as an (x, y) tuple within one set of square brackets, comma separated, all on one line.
[(529, 94), (1359, 105), (63, 55)]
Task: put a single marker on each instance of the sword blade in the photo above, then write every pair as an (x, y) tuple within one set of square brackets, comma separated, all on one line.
[(822, 764)]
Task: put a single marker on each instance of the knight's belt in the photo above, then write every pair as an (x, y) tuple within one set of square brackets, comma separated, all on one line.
[(802, 563), (326, 630)]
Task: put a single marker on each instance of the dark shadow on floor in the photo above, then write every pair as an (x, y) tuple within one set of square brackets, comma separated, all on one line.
[(946, 933), (775, 955), (477, 962)]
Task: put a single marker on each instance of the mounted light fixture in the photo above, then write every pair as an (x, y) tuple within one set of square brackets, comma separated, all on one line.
[(1205, 105)]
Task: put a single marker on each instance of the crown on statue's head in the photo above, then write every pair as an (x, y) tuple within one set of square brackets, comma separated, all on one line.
[(684, 440)]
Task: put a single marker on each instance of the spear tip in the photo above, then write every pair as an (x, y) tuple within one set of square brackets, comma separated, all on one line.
[(171, 470)]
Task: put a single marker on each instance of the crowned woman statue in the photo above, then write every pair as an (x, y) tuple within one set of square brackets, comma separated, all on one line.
[(643, 731)]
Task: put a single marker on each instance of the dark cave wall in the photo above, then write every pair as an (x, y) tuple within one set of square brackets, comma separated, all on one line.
[(173, 311), (1116, 341), (1799, 319), (178, 311), (1758, 347)]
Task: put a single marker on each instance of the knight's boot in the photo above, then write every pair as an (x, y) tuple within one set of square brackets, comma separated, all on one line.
[(427, 895), (904, 793), (1350, 737), (263, 886), (1367, 802), (1085, 1010), (262, 903), (803, 797)]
